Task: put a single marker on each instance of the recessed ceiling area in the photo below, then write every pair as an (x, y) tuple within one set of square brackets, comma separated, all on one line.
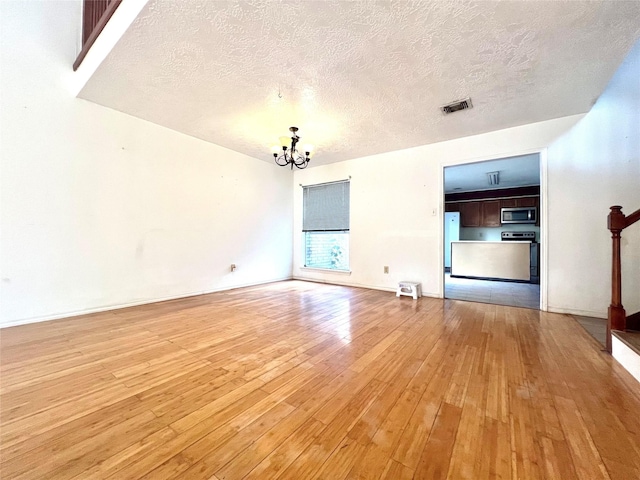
[(360, 77), (517, 171)]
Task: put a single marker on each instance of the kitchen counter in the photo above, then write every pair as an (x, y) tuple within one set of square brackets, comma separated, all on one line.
[(502, 260)]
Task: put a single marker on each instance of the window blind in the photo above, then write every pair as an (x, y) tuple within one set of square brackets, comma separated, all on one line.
[(326, 207)]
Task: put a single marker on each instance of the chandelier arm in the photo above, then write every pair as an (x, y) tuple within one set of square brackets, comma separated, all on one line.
[(282, 160), (301, 162)]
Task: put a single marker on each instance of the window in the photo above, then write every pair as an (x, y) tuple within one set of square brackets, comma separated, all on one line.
[(325, 223)]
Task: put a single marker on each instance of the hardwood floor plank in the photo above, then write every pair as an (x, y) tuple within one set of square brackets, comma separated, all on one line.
[(328, 440), (339, 464), (495, 451), (436, 457), (286, 453), (208, 457), (133, 454), (465, 456), (396, 471), (586, 458), (190, 420), (261, 448), (74, 458), (77, 430), (296, 380)]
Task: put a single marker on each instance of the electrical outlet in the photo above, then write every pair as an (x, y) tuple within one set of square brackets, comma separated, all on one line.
[(386, 269)]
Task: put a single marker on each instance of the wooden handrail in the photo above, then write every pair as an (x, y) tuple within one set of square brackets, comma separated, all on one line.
[(633, 218), (616, 222), (95, 15)]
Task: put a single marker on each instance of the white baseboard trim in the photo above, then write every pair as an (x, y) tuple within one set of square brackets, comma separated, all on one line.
[(360, 285), (107, 308), (626, 357), (343, 284), (575, 311)]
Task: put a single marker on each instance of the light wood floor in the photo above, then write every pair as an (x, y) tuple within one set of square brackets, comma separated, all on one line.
[(298, 380)]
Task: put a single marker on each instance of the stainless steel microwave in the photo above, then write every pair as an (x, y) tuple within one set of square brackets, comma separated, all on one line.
[(518, 215)]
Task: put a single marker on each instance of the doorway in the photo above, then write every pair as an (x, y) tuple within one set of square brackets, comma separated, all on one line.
[(492, 231)]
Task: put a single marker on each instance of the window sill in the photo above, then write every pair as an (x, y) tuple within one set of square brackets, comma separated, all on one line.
[(327, 270)]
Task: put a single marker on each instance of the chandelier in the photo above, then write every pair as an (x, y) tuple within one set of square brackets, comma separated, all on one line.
[(288, 154)]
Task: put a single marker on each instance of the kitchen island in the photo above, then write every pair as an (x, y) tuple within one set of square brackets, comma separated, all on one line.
[(496, 260)]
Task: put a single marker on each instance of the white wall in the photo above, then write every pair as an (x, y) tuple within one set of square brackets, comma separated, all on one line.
[(396, 205), (591, 167), (100, 209), (592, 162)]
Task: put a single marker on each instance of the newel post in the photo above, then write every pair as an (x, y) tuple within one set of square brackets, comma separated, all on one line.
[(617, 315)]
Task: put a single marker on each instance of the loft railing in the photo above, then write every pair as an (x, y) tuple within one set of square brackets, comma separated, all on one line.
[(617, 317), (95, 15)]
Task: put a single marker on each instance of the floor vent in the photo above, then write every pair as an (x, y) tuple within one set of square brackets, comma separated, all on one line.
[(456, 106)]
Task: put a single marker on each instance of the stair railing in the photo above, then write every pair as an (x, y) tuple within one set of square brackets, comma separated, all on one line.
[(95, 15), (616, 222)]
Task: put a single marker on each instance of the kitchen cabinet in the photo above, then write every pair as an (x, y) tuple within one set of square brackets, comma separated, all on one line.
[(519, 202), (491, 213), (470, 214), (527, 202), (486, 213)]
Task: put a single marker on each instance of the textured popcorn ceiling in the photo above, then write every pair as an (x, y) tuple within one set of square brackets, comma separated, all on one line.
[(360, 77)]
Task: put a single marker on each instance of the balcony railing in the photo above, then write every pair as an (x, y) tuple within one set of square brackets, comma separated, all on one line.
[(95, 15)]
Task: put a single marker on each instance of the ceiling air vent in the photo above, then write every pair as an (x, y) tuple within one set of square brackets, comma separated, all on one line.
[(456, 106)]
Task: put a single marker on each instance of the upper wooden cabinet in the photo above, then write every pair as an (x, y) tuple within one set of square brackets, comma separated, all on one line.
[(527, 202), (491, 213), (486, 213), (470, 215), (508, 202), (519, 202)]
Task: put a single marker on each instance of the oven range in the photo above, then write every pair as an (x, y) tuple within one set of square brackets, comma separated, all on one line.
[(512, 236)]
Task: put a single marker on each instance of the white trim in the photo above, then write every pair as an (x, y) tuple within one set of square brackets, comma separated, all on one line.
[(573, 311), (626, 357), (344, 284), (441, 217), (327, 270), (361, 285), (543, 207), (108, 308)]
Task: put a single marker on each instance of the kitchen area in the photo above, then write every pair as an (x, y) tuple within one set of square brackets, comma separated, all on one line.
[(492, 232)]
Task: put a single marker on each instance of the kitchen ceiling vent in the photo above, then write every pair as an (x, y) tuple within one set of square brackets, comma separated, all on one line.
[(457, 106)]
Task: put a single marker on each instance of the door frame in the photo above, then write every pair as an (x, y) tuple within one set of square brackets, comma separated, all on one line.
[(543, 211)]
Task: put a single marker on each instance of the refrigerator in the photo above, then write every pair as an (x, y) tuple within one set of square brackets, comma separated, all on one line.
[(451, 234)]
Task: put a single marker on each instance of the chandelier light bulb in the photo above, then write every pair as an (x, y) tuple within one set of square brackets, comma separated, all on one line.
[(285, 141)]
